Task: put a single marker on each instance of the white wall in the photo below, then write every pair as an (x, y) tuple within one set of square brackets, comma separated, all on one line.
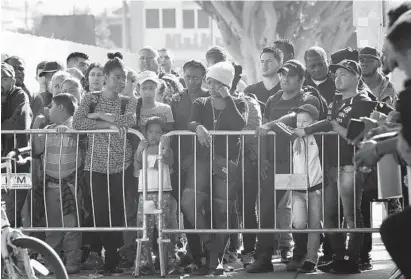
[(35, 49)]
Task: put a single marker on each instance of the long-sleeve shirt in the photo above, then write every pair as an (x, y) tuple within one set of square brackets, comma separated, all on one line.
[(232, 118), (101, 141), (15, 115)]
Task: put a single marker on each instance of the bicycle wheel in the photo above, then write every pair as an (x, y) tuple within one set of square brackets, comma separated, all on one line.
[(49, 255)]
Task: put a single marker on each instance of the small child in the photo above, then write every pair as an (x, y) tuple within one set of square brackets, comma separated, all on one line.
[(306, 160), (154, 131), (60, 159), (73, 87)]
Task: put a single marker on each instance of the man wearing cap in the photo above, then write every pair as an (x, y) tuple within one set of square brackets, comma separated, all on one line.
[(19, 68), (43, 100), (381, 87), (15, 115), (353, 104), (292, 76), (318, 75)]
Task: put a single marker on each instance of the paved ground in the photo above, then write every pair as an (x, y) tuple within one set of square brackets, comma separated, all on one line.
[(383, 267)]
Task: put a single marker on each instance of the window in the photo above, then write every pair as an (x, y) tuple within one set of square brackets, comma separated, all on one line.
[(152, 18), (203, 20), (169, 18), (188, 19)]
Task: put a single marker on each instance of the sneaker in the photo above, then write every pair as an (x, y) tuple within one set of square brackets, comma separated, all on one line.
[(107, 271), (93, 261), (72, 269), (217, 271), (365, 265), (286, 255), (293, 265), (325, 259), (201, 271), (260, 266), (230, 257), (341, 267), (248, 259), (307, 267), (125, 263), (190, 268)]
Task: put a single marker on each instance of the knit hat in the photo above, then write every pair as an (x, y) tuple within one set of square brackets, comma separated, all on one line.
[(223, 72)]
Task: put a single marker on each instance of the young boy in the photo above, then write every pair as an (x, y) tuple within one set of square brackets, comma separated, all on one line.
[(60, 161), (306, 160), (153, 132)]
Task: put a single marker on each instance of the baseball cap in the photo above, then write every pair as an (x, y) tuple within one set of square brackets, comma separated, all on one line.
[(370, 52), (349, 65), (7, 70), (342, 54), (51, 67), (147, 75), (310, 109), (293, 67)]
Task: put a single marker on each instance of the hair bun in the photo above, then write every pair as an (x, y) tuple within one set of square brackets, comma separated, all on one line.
[(111, 55)]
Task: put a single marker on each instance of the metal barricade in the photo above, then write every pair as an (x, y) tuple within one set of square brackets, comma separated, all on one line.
[(284, 182)]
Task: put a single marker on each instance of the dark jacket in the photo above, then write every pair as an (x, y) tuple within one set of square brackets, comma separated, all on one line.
[(326, 89), (15, 115), (405, 111)]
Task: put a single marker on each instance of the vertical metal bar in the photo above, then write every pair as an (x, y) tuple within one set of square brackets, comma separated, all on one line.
[(108, 179), (338, 183), (60, 186), (76, 182), (44, 180), (31, 190), (160, 195), (123, 180), (243, 176), (15, 191), (259, 180), (211, 180), (274, 174), (226, 153), (355, 196), (144, 192), (323, 178), (195, 182), (179, 181), (91, 181)]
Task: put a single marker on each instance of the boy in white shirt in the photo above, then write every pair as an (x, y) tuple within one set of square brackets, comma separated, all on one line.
[(306, 160), (153, 132)]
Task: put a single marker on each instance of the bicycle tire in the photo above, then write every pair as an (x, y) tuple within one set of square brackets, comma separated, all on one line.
[(35, 244)]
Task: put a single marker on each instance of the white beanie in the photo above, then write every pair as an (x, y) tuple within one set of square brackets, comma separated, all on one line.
[(223, 72)]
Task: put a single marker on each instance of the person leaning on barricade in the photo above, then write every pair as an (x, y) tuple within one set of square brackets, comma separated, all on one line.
[(104, 160), (220, 111), (60, 161), (396, 230), (16, 114)]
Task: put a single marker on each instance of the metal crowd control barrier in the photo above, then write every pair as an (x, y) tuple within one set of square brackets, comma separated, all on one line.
[(22, 183), (288, 182)]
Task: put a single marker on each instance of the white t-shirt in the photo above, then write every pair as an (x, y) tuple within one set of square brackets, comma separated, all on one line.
[(160, 110), (152, 176), (315, 173)]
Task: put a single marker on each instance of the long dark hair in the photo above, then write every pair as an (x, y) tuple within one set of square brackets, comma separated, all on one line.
[(91, 67)]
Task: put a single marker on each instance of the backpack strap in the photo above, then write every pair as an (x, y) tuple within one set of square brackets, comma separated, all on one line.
[(124, 102)]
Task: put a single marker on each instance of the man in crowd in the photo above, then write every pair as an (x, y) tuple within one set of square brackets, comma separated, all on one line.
[(292, 76), (287, 47), (148, 59), (15, 115), (78, 60), (318, 75), (381, 87), (19, 68), (350, 105)]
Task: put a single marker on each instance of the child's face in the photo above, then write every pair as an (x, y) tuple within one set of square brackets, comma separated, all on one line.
[(148, 89), (55, 113), (72, 89), (56, 85), (154, 133), (304, 119)]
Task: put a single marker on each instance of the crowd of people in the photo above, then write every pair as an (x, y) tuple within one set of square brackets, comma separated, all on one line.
[(96, 179)]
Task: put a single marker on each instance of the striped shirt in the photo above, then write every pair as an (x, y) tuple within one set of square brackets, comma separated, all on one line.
[(60, 153), (103, 160)]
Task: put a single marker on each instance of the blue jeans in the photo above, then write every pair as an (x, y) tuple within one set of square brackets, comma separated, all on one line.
[(351, 207)]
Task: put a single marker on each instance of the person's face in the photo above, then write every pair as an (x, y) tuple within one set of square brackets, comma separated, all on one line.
[(304, 119), (38, 78), (19, 69), (154, 133), (317, 67), (290, 82), (369, 66), (7, 84), (400, 58), (268, 64), (47, 81), (96, 79), (193, 78), (345, 80), (165, 61), (116, 80), (73, 89), (148, 61), (55, 113), (80, 63), (148, 89), (56, 85), (214, 86)]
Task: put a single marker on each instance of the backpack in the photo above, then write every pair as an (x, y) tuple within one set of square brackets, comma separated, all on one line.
[(308, 90), (134, 140)]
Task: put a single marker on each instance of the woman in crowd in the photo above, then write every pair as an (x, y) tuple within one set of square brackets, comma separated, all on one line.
[(94, 78)]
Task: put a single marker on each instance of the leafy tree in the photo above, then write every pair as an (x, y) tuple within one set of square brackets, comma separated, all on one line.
[(248, 26), (103, 33)]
